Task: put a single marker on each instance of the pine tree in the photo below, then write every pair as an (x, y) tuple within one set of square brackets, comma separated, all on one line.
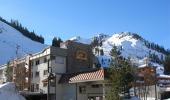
[(121, 75), (56, 42), (167, 64), (24, 31), (8, 73)]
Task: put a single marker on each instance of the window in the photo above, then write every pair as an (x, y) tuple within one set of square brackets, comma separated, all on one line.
[(32, 87), (45, 72), (37, 62), (82, 89), (37, 87), (96, 86), (37, 74), (52, 57), (44, 84), (45, 60)]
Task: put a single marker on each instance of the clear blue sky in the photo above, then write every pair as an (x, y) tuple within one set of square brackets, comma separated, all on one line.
[(86, 18)]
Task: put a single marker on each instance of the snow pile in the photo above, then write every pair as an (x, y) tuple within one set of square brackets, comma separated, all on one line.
[(134, 98), (8, 91), (12, 41)]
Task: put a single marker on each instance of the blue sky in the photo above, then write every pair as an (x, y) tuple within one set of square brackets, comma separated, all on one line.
[(86, 18)]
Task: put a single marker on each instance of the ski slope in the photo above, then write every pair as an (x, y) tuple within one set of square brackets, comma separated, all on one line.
[(130, 47), (13, 44)]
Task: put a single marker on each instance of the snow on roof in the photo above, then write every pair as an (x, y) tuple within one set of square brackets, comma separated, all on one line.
[(164, 76), (142, 66), (80, 40)]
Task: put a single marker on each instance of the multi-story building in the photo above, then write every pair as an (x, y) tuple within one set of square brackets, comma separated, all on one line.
[(71, 73), (51, 60)]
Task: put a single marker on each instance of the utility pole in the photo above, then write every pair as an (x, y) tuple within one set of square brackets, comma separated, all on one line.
[(15, 65)]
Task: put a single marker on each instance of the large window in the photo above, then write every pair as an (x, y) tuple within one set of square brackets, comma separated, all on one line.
[(96, 85), (45, 72), (37, 62), (32, 87), (37, 87), (45, 84), (45, 60), (37, 73), (82, 89)]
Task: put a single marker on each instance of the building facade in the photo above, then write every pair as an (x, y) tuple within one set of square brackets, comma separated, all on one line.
[(70, 72)]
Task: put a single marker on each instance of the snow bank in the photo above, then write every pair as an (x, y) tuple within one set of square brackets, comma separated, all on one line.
[(8, 91), (133, 98)]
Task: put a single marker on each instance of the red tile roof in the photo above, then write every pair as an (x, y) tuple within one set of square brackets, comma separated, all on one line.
[(94, 75)]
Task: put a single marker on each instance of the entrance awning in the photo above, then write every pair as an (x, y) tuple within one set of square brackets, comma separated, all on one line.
[(94, 75)]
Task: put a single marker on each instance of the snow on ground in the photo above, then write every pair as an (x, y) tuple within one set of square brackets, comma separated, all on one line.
[(136, 98), (8, 91), (10, 38)]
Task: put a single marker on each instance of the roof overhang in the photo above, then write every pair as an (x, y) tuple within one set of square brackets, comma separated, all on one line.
[(89, 76)]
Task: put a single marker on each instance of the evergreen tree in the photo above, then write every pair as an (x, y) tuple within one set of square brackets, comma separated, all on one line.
[(121, 75), (8, 73), (24, 31), (56, 42), (167, 64)]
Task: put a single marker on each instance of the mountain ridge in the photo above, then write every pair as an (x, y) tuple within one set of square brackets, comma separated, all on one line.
[(131, 45)]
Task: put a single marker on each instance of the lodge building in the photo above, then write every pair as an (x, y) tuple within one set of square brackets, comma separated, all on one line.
[(70, 72)]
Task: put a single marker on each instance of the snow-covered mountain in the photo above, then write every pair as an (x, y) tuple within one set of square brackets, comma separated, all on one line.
[(13, 44), (131, 46), (80, 39)]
